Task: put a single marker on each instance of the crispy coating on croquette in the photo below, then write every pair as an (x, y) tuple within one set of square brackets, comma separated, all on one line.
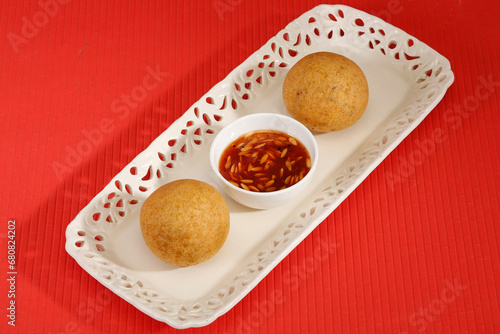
[(326, 92), (185, 222)]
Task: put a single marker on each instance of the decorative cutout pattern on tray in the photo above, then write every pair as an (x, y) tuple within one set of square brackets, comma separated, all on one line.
[(87, 234)]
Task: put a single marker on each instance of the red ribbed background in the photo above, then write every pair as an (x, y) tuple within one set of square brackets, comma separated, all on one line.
[(419, 254)]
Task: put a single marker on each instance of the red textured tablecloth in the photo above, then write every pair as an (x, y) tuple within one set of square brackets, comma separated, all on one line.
[(416, 254)]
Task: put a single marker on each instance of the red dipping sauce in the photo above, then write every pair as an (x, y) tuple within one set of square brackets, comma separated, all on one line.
[(265, 161)]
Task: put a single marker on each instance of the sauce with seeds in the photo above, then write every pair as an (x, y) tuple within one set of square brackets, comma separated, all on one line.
[(265, 161)]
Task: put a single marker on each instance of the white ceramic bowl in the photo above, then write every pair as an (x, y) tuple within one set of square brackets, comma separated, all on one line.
[(263, 121)]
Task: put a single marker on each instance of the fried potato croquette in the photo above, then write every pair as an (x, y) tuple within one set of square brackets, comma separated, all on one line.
[(326, 92), (185, 222)]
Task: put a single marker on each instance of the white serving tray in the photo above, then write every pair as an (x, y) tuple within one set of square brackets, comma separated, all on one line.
[(406, 80)]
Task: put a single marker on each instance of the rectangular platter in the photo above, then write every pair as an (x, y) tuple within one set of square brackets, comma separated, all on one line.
[(406, 80)]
